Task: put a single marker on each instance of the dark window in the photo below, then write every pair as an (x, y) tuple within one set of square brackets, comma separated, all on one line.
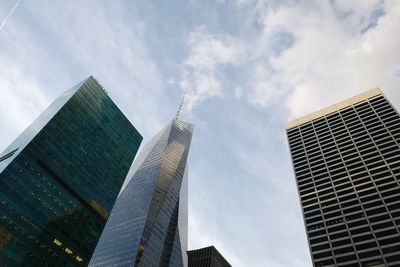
[(361, 230), (336, 228), (327, 262), (339, 235), (343, 250), (317, 233), (318, 240), (375, 211), (363, 238), (368, 254), (366, 245), (382, 225), (385, 233), (346, 258), (394, 249), (320, 247), (379, 218), (357, 223), (341, 243), (393, 258), (373, 204), (323, 255)]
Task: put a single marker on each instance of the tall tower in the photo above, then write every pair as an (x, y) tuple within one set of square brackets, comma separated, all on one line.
[(148, 223), (346, 159), (60, 178)]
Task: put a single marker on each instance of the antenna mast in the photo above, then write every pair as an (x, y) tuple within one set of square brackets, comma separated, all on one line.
[(180, 106)]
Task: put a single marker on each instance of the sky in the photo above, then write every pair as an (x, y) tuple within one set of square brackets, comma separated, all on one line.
[(247, 67)]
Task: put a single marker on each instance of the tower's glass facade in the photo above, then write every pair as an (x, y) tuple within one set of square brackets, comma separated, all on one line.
[(148, 224), (59, 179), (346, 160)]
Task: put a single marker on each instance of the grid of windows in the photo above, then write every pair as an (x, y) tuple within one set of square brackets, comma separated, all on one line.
[(347, 166), (207, 257)]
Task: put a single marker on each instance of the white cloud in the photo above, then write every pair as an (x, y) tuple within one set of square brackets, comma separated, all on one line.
[(265, 85), (207, 51), (321, 47), (359, 15), (208, 54), (333, 56), (359, 62)]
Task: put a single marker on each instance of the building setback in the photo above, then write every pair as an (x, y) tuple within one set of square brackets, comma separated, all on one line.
[(148, 224), (60, 178), (346, 160), (206, 257)]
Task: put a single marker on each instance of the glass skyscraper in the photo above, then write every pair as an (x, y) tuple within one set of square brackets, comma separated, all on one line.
[(60, 178), (148, 224), (346, 159)]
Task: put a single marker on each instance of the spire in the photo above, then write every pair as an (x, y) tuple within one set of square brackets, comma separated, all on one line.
[(180, 106)]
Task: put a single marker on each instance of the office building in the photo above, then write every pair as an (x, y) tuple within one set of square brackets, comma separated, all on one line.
[(60, 178), (346, 159), (207, 257), (148, 224)]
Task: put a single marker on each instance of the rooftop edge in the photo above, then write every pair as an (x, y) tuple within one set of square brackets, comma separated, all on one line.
[(333, 108)]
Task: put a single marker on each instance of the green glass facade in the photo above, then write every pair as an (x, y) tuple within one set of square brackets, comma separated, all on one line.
[(60, 178)]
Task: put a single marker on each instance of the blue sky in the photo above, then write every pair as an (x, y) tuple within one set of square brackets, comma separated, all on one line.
[(247, 66)]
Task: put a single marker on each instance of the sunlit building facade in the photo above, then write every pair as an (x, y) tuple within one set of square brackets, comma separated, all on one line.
[(207, 257), (60, 178), (346, 159), (148, 224)]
